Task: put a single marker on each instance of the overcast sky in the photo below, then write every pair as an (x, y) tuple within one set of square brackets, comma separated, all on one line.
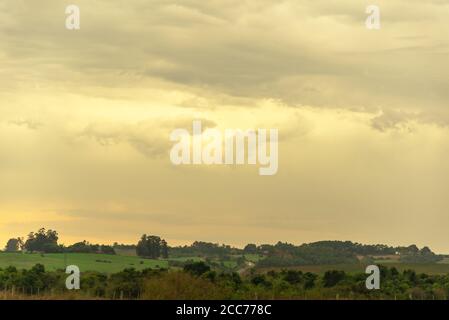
[(85, 118)]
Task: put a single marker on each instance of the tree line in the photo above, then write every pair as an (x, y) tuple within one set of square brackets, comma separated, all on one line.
[(278, 255), (198, 281), (46, 241)]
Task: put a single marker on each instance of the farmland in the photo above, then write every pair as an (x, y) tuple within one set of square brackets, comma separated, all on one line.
[(115, 263), (85, 261), (105, 263)]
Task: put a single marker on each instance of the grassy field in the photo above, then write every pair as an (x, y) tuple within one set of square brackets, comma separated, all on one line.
[(85, 261), (444, 261), (185, 259), (126, 252), (115, 263), (253, 257)]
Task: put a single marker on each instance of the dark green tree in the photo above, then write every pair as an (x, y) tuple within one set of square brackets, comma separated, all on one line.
[(42, 240), (152, 247), (164, 249), (197, 268), (250, 248), (13, 245), (332, 278)]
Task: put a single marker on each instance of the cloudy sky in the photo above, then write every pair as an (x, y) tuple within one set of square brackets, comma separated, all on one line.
[(85, 118)]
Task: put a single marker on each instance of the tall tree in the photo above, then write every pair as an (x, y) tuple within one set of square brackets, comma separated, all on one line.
[(250, 248), (152, 247), (13, 245), (43, 240), (164, 249)]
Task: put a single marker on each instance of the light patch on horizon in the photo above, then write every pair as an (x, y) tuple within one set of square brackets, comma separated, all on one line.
[(362, 116)]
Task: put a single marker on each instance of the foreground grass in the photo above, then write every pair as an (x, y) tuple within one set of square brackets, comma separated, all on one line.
[(85, 261), (7, 295)]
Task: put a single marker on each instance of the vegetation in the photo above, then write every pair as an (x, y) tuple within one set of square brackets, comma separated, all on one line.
[(151, 269), (280, 255), (427, 268), (198, 281), (104, 263), (152, 247), (338, 252), (14, 245), (86, 247), (204, 249), (43, 241)]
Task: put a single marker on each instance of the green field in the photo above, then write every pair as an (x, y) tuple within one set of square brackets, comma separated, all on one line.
[(186, 259), (444, 261), (85, 261), (115, 263), (253, 257)]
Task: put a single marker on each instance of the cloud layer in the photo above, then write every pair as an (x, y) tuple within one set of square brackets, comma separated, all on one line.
[(362, 115)]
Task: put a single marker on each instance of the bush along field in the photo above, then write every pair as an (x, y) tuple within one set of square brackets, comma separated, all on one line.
[(198, 281)]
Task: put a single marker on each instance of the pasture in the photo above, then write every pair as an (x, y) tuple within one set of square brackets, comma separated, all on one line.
[(85, 261)]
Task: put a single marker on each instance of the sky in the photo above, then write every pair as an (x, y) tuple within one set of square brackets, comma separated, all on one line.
[(362, 115)]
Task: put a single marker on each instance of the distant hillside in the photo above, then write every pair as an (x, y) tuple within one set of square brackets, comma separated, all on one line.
[(316, 253), (341, 252), (281, 254)]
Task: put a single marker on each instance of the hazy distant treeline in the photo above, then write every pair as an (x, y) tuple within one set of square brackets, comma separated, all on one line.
[(278, 255)]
